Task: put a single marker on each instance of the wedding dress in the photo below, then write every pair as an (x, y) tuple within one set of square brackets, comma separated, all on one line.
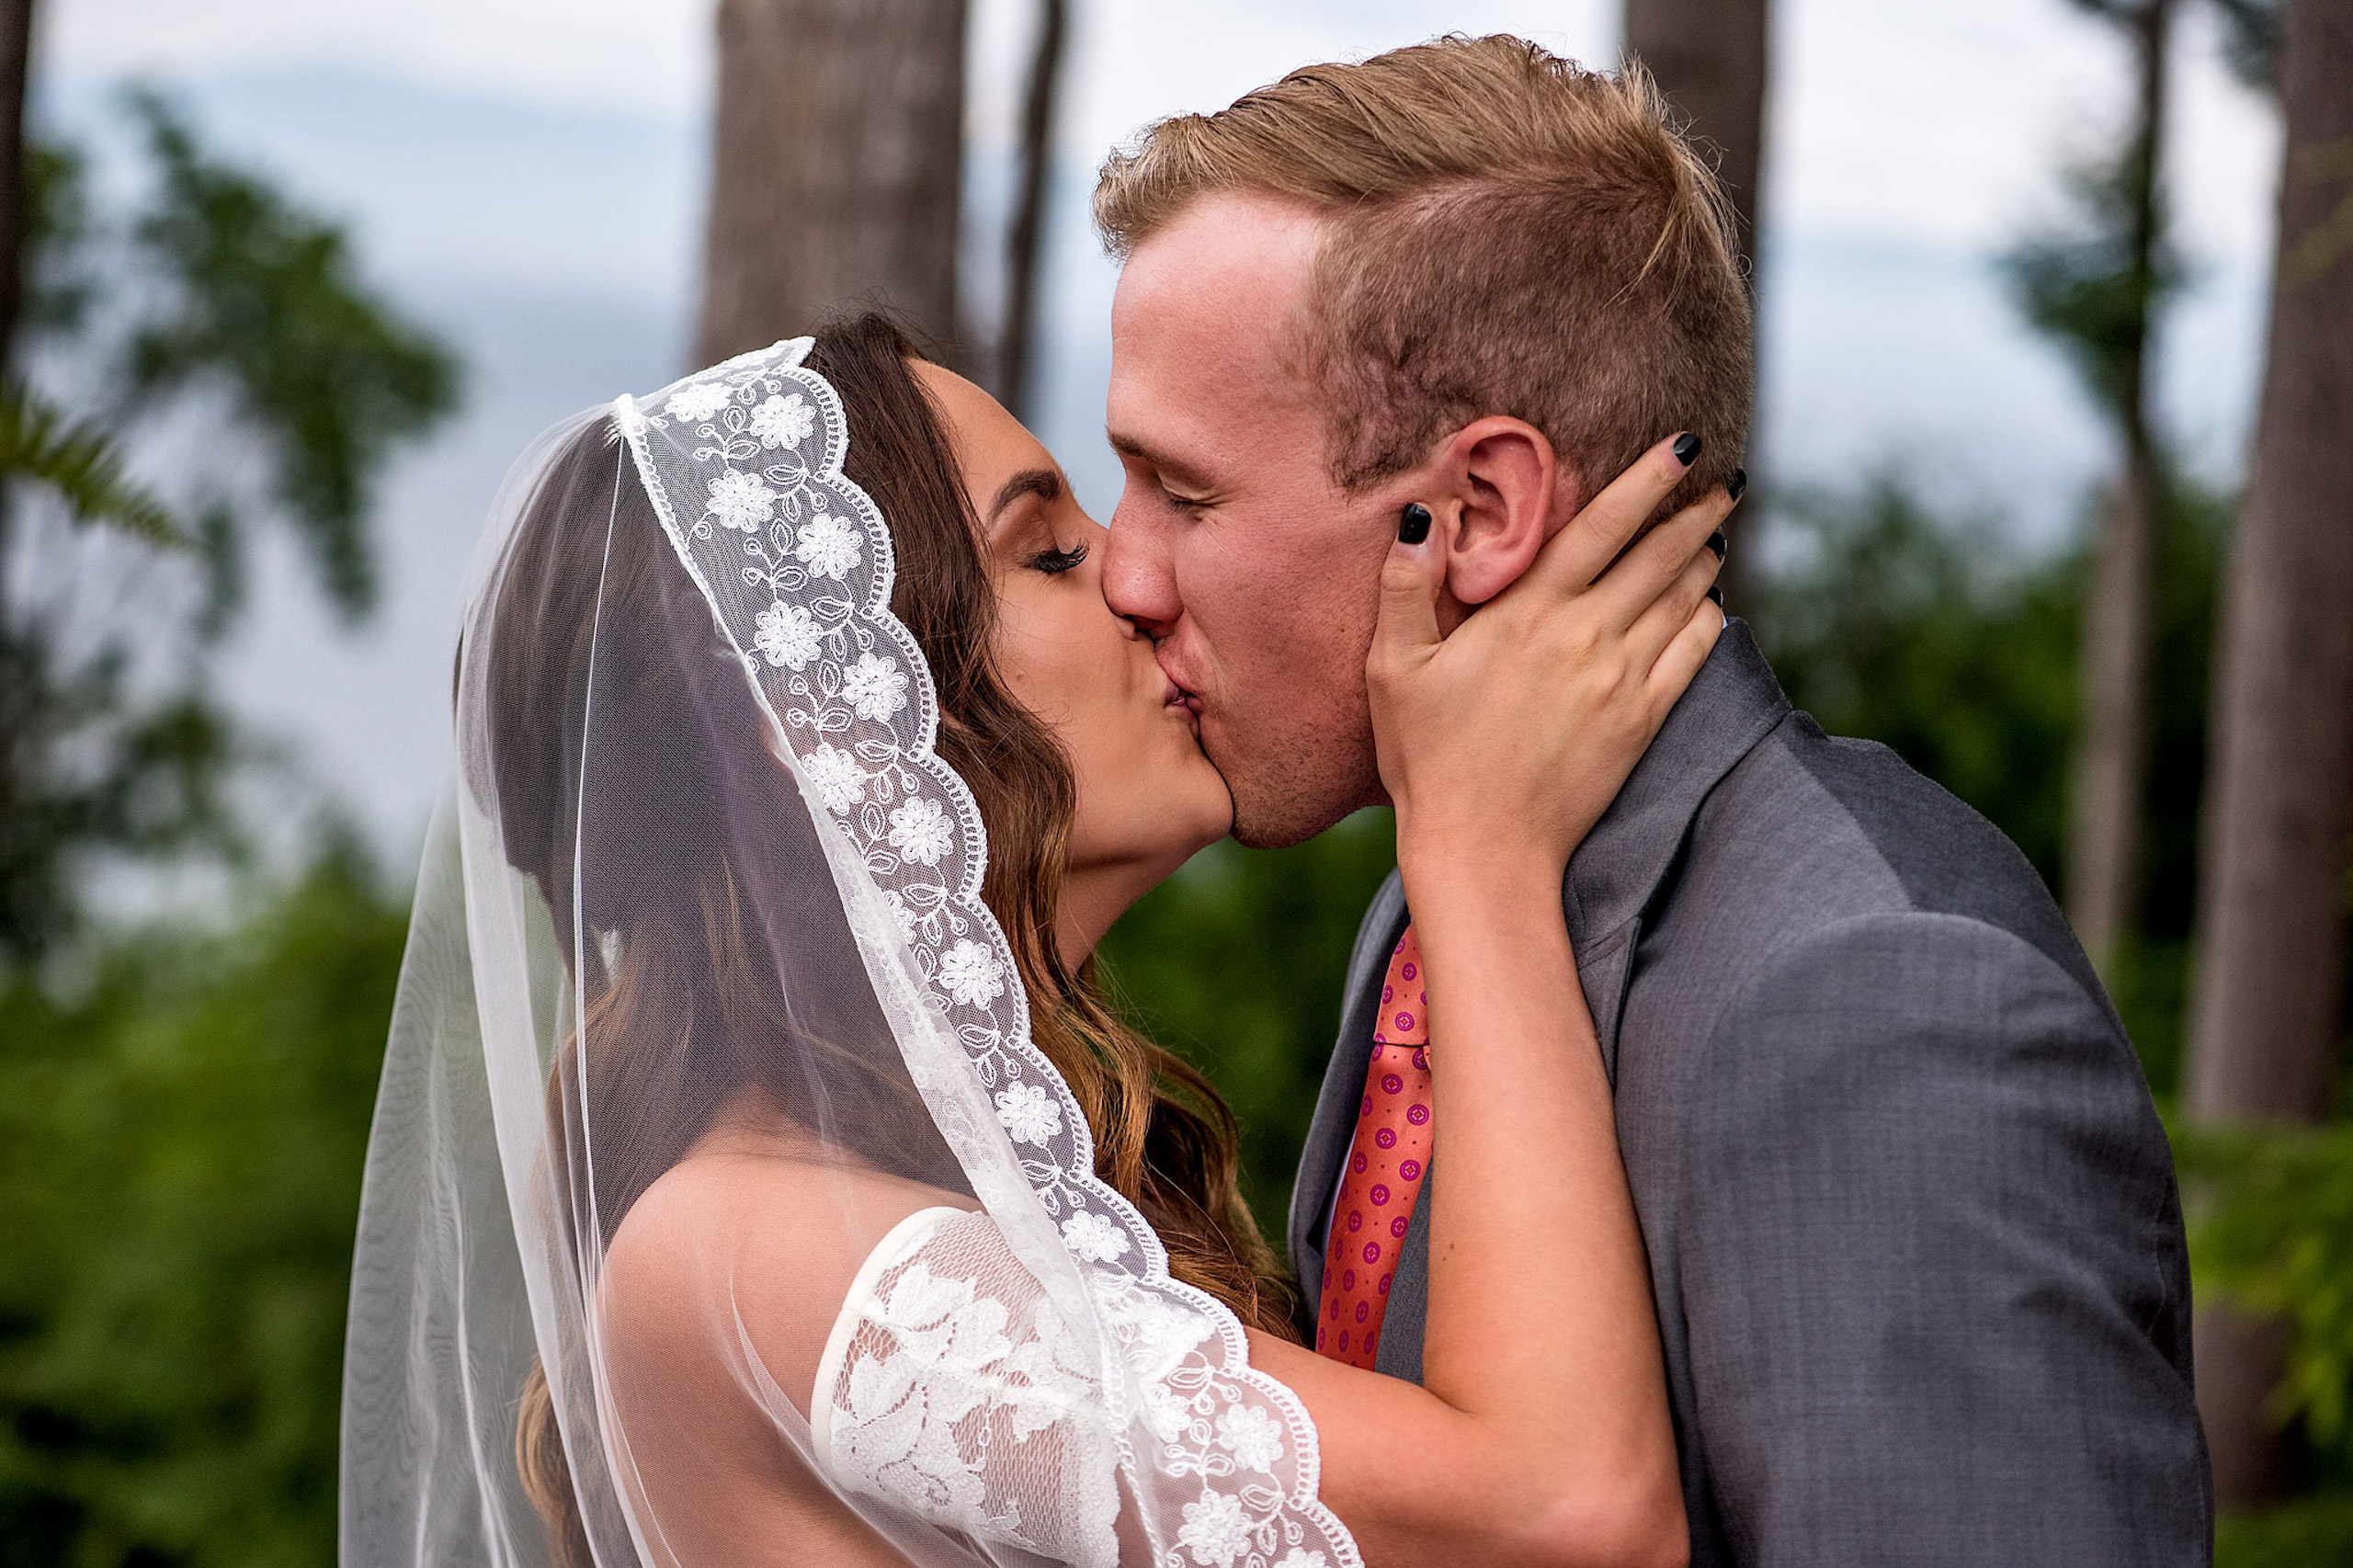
[(698, 804)]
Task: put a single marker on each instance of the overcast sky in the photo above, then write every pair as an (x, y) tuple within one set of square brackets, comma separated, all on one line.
[(529, 176), (1921, 117)]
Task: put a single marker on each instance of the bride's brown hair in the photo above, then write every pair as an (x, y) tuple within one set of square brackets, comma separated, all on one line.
[(683, 1024)]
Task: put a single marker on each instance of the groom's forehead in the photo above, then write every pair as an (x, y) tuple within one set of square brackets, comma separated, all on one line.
[(1230, 268), (1200, 385)]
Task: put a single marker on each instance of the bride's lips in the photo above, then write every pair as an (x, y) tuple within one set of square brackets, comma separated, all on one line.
[(1178, 703), (1177, 691)]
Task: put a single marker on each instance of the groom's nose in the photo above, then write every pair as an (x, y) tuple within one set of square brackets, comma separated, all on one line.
[(1138, 575)]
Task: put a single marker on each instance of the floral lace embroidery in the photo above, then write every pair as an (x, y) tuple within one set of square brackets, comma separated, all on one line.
[(962, 1396), (744, 465)]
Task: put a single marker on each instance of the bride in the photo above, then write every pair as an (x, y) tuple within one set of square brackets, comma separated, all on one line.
[(760, 1175)]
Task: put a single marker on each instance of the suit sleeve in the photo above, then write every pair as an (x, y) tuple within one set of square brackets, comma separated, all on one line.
[(1933, 1274)]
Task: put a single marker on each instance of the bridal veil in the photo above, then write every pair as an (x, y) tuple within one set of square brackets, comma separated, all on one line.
[(699, 855)]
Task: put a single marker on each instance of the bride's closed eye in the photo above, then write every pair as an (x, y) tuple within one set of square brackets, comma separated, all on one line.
[(1055, 561)]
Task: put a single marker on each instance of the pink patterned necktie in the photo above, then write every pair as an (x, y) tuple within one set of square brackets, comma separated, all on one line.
[(1386, 1164)]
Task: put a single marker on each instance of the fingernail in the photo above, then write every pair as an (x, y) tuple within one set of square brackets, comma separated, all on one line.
[(1687, 447), (1715, 596), (1737, 485), (1717, 542), (1413, 523)]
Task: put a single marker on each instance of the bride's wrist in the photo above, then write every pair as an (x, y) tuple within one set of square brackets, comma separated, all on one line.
[(1486, 870)]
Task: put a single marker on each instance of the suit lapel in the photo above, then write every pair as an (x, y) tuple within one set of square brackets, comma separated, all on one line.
[(1732, 705), (1604, 968)]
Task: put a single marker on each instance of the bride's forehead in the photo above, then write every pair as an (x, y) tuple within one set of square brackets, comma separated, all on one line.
[(986, 435)]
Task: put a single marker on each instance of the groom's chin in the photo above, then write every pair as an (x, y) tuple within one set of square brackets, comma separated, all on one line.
[(1276, 814)]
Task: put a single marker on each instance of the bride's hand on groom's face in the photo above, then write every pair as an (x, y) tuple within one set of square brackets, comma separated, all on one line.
[(1502, 743)]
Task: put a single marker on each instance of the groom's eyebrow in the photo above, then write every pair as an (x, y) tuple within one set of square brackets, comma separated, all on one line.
[(1043, 482), (1168, 467)]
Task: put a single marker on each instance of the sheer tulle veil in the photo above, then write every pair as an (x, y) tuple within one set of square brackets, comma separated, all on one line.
[(701, 852)]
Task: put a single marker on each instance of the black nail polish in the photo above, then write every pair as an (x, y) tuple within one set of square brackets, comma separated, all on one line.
[(1686, 449), (1715, 596), (1413, 523), (1737, 485), (1717, 542)]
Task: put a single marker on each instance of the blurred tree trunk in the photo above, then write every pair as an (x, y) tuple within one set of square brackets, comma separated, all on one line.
[(16, 213), (2265, 1020), (15, 231), (1025, 238), (16, 227), (1710, 58), (2111, 734), (836, 167)]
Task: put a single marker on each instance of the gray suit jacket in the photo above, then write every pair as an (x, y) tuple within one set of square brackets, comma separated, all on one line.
[(1912, 1222)]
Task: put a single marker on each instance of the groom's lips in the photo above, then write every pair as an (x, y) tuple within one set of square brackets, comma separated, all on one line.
[(1177, 691)]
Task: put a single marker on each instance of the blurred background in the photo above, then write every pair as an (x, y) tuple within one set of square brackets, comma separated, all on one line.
[(2053, 493)]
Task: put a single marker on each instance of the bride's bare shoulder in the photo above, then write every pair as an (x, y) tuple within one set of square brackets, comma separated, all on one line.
[(719, 1290), (757, 1226)]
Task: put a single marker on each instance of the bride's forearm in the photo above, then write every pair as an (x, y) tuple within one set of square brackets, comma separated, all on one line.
[(1539, 1327), (1541, 1433), (1534, 1227)]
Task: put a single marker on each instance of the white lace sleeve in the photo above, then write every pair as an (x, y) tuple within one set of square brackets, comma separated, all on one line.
[(950, 1387)]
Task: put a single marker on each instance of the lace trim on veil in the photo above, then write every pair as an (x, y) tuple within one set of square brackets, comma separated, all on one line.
[(796, 565)]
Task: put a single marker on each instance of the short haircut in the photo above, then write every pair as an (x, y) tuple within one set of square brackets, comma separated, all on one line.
[(1508, 232)]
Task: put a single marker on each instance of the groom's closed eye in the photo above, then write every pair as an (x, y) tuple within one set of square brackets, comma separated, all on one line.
[(1178, 485)]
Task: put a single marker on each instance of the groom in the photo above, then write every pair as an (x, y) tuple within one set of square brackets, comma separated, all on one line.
[(1913, 1234)]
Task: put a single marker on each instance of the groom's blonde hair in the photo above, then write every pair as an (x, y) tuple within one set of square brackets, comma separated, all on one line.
[(1506, 233)]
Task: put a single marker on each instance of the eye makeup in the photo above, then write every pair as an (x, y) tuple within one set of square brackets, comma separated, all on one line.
[(1057, 560)]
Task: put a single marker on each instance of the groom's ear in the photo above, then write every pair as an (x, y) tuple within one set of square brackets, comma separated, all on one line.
[(1504, 480)]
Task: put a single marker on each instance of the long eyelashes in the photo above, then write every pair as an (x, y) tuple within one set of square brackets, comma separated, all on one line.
[(1053, 561)]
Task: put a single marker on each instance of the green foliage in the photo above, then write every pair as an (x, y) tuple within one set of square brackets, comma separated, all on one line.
[(2307, 1534), (2272, 1231), (266, 300), (180, 1149), (225, 297), (62, 233), (143, 776), (1237, 962), (77, 462)]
